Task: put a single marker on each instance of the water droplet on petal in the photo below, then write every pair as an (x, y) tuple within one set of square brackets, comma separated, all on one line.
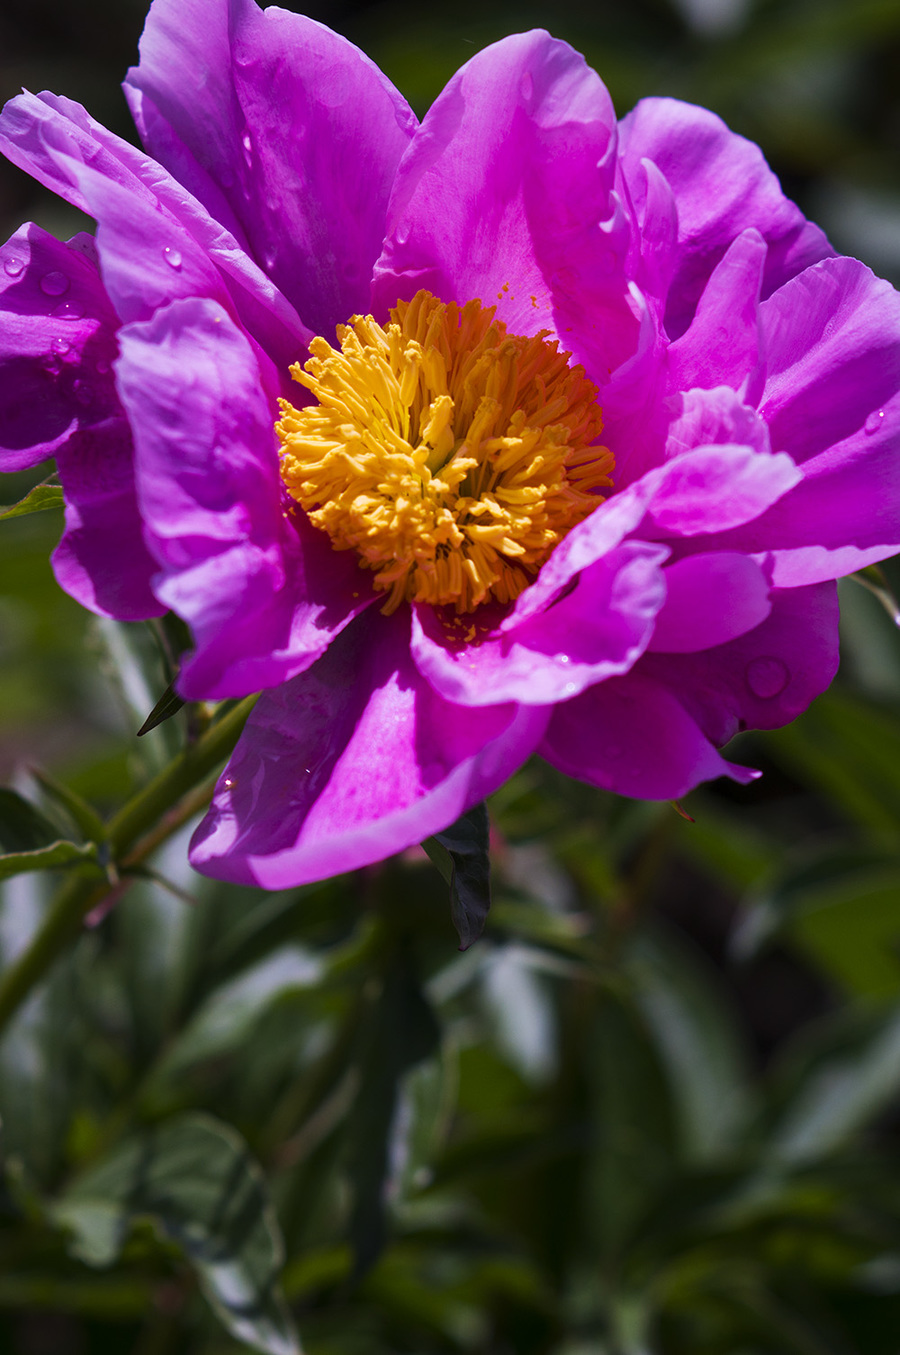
[(60, 346), (767, 677), (69, 310), (228, 783), (401, 234), (563, 658), (526, 86), (102, 368), (54, 284), (172, 257), (571, 687), (874, 421), (247, 143), (14, 267)]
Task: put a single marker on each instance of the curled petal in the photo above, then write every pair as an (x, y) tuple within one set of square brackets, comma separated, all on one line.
[(354, 760), (632, 736), (597, 629), (263, 599), (294, 144)]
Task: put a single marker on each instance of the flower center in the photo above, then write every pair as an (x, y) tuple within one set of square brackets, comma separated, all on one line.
[(450, 455)]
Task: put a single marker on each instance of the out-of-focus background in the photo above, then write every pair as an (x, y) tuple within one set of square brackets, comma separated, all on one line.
[(663, 1115)]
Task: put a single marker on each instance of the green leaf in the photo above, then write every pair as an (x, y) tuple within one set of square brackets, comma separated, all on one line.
[(29, 841), (169, 704), (840, 1095), (83, 815), (400, 1033), (40, 498), (194, 1177), (696, 1038), (461, 854)]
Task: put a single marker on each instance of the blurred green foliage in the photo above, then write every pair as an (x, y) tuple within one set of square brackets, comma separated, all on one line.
[(656, 1110)]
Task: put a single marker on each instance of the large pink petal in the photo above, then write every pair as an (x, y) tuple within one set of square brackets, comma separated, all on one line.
[(57, 343), (354, 760), (709, 599), (632, 736), (293, 143), (597, 629), (157, 242), (507, 194), (763, 679), (832, 400), (722, 185), (264, 598)]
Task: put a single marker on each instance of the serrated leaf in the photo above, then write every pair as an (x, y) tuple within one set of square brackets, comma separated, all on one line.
[(29, 841), (195, 1178), (461, 854), (38, 500)]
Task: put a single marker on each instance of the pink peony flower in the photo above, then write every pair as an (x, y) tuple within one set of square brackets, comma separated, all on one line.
[(606, 420)]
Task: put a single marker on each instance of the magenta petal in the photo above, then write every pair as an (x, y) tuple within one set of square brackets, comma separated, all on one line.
[(832, 400), (57, 343), (721, 345), (157, 242), (710, 599), (598, 629), (262, 599), (507, 194), (296, 131), (722, 186), (102, 560), (354, 760), (712, 489), (763, 679), (712, 418), (632, 736)]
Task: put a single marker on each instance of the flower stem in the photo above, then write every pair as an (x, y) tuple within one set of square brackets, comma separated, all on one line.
[(153, 814)]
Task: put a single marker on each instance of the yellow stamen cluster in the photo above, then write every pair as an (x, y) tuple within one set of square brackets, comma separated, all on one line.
[(450, 455)]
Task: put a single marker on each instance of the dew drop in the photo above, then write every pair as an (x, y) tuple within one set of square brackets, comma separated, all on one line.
[(69, 310), (247, 143), (401, 234), (526, 87), (102, 368), (563, 658), (767, 677), (14, 267), (60, 346), (172, 257), (571, 687), (54, 284), (874, 421), (228, 783)]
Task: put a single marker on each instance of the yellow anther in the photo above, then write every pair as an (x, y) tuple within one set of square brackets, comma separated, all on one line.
[(450, 455)]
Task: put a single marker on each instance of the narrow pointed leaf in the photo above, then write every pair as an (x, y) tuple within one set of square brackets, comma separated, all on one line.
[(461, 853), (38, 500)]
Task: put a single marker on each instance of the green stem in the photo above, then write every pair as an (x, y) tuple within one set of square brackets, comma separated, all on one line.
[(151, 816)]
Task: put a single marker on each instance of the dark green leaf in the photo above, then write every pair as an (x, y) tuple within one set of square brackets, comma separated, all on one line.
[(194, 1177), (38, 500), (84, 815), (400, 1032), (461, 853), (169, 704), (29, 841)]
